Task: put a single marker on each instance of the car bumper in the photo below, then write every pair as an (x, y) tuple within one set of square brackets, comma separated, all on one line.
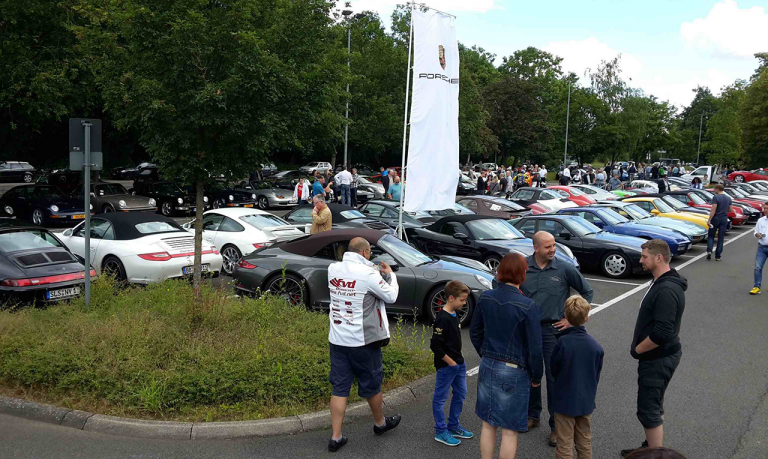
[(142, 271), (249, 281), (680, 248), (285, 202), (65, 217), (247, 204), (13, 295), (138, 209)]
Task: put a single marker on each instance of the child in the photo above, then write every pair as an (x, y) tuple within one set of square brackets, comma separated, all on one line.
[(576, 363), (451, 370)]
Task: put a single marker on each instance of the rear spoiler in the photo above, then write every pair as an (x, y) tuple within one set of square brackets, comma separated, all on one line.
[(273, 230)]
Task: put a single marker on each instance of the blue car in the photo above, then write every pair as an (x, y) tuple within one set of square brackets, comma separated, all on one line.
[(612, 222)]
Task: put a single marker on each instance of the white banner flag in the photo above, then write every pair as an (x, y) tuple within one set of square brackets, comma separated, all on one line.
[(433, 153)]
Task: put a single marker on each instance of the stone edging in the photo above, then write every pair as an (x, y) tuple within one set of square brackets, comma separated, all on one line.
[(140, 428)]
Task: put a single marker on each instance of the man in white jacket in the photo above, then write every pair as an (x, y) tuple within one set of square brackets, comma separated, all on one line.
[(359, 329)]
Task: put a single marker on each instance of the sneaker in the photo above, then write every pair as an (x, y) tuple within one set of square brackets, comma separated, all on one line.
[(755, 291), (717, 259), (627, 452), (533, 423), (447, 439), (462, 433), (389, 424), (709, 255), (335, 445), (552, 439)]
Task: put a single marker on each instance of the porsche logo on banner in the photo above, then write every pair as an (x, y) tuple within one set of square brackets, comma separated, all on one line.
[(432, 172)]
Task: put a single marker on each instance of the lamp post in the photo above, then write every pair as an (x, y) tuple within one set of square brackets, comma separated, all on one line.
[(701, 123), (347, 13), (567, 119)]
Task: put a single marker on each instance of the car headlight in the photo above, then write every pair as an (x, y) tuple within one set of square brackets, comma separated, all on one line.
[(484, 282), (54, 208), (91, 206), (231, 198), (253, 196), (205, 198), (152, 202), (9, 210), (122, 204), (180, 201)]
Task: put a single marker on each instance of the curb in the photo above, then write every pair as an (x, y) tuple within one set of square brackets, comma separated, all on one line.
[(140, 428)]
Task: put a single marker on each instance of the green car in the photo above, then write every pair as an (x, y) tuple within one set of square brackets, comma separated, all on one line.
[(623, 193)]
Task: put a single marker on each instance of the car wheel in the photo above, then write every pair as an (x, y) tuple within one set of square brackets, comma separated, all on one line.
[(739, 179), (290, 287), (107, 209), (112, 266), (615, 265), (27, 178), (492, 262), (263, 203), (218, 204), (230, 255), (37, 217), (437, 298), (166, 209)]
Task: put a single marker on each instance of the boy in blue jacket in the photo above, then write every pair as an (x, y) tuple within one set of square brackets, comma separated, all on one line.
[(576, 363)]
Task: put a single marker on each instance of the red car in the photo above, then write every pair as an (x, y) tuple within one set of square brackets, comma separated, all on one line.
[(702, 199), (748, 176), (538, 208), (573, 195), (739, 196)]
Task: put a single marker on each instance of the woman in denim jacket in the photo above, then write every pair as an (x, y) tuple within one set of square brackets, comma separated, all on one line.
[(506, 334)]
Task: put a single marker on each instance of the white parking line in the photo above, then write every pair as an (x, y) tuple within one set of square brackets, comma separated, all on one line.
[(687, 256), (610, 281), (475, 370)]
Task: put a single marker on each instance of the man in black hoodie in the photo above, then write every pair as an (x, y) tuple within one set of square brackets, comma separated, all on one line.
[(656, 343)]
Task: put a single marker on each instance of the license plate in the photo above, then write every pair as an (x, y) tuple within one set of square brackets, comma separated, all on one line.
[(62, 293), (191, 269), (248, 205), (78, 217)]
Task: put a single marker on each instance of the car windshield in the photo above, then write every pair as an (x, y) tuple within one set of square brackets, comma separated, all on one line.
[(402, 251), (590, 189), (109, 189), (47, 192), (575, 192), (663, 206), (351, 214), (168, 188), (675, 203), (157, 227), (612, 217), (27, 240), (261, 185), (739, 193), (509, 204), (363, 180), (492, 229), (581, 227), (760, 186), (696, 198), (636, 211), (749, 188), (261, 221)]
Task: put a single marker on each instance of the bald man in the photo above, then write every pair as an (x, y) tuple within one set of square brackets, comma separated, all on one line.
[(548, 282)]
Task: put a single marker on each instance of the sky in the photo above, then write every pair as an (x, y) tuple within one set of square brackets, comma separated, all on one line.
[(667, 47)]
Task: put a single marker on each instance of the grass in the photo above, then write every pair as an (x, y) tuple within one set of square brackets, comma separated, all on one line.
[(150, 353)]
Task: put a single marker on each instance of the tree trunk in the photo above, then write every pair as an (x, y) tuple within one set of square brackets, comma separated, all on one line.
[(333, 161), (197, 279)]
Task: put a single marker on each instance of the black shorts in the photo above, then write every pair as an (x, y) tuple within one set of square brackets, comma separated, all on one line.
[(363, 363), (653, 377)]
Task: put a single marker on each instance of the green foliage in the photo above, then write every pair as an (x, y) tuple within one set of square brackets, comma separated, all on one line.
[(754, 121), (148, 352)]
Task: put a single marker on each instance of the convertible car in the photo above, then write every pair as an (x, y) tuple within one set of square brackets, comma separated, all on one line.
[(528, 195), (657, 206), (485, 239), (268, 194), (342, 217), (388, 212), (634, 213), (574, 195), (298, 271), (748, 176)]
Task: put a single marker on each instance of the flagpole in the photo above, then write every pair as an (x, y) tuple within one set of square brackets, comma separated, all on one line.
[(400, 230)]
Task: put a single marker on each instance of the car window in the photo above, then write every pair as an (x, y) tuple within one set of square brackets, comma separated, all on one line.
[(4, 166), (645, 205), (261, 221), (523, 195), (469, 203), (549, 195), (679, 197), (301, 215), (211, 222), (451, 228), (329, 252), (590, 217), (26, 240), (100, 227), (349, 214), (552, 227), (561, 193), (528, 226), (109, 189), (378, 255), (373, 210), (230, 226), (493, 229), (389, 213), (662, 206), (700, 171)]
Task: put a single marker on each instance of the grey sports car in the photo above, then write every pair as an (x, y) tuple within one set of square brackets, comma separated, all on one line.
[(113, 197), (269, 195), (298, 270)]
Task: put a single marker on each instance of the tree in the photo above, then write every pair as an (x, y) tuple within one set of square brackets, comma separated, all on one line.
[(723, 144), (212, 87), (754, 121)]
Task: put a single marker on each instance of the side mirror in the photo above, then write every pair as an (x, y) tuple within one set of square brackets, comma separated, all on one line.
[(93, 195), (461, 236), (68, 233), (395, 267), (565, 235), (655, 212)]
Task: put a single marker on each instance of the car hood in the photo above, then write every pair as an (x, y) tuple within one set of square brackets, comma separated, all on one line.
[(650, 230), (64, 204), (130, 200), (454, 264), (627, 242), (680, 225)]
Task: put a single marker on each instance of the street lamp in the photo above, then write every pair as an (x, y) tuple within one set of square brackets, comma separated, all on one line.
[(701, 124), (347, 13)]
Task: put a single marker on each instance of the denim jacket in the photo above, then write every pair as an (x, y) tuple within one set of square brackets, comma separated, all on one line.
[(505, 326)]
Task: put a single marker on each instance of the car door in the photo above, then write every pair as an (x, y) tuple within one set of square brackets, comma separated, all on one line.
[(527, 227), (228, 232), (211, 223), (446, 244), (76, 242), (102, 241)]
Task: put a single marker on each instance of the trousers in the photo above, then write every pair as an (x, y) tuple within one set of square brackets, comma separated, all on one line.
[(448, 378), (760, 257), (548, 341), (576, 430), (719, 225)]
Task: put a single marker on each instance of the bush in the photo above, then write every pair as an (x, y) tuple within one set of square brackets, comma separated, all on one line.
[(149, 352)]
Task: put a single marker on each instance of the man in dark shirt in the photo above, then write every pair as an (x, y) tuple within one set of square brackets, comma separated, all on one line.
[(549, 283), (656, 341), (718, 221), (655, 171), (482, 182)]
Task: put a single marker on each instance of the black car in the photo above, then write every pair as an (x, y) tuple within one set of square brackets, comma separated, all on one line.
[(65, 179), (615, 255), (389, 212), (485, 239), (36, 266), (17, 171), (222, 194), (525, 196), (130, 173), (170, 198), (43, 204), (342, 216)]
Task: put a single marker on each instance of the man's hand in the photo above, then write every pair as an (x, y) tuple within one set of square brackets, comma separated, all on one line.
[(561, 324), (758, 235), (385, 269), (533, 384)]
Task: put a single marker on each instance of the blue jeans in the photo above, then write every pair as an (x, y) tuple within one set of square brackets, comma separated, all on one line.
[(760, 257), (548, 341), (719, 224), (346, 198), (449, 377)]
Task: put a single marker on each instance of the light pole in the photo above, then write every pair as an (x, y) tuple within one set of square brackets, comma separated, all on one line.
[(567, 119), (701, 123), (346, 14)]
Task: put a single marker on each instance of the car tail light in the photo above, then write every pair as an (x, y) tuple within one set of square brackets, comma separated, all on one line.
[(262, 245), (245, 265), (157, 256), (35, 281)]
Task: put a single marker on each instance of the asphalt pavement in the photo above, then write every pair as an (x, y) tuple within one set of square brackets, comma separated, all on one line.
[(716, 406)]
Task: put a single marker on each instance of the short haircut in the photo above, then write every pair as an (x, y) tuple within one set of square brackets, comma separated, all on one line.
[(576, 310), (456, 288), (512, 269), (657, 247), (655, 453), (719, 187), (318, 198), (358, 245)]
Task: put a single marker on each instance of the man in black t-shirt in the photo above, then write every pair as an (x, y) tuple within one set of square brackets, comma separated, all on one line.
[(482, 182), (718, 221)]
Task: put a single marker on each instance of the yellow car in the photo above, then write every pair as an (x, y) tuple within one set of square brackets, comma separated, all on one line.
[(658, 207)]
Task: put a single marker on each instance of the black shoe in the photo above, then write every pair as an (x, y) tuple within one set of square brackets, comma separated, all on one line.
[(389, 424), (335, 445), (709, 255), (717, 259), (627, 452)]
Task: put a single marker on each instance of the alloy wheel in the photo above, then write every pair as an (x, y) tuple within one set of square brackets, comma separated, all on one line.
[(439, 300), (112, 267), (263, 203), (615, 265), (288, 288), (27, 178), (37, 217), (492, 264), (218, 204), (739, 179), (107, 209), (230, 257), (166, 209)]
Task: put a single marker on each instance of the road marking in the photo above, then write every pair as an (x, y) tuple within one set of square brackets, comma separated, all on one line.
[(686, 256), (607, 304), (610, 281)]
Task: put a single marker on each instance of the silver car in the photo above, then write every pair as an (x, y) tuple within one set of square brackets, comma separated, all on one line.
[(267, 195)]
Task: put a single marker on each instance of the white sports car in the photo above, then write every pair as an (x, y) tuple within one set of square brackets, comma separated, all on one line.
[(237, 232), (141, 248)]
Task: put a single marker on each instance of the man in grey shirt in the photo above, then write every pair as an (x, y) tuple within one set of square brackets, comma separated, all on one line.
[(718, 221), (548, 282)]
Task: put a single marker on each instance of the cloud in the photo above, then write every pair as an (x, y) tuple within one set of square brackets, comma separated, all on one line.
[(729, 30), (579, 55), (479, 6)]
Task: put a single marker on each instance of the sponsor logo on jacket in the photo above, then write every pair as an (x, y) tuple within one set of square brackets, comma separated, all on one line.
[(341, 283)]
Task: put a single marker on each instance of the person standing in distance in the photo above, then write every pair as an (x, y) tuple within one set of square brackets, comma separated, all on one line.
[(353, 187), (718, 221), (482, 183), (761, 233), (322, 220), (344, 179), (656, 342), (395, 190), (385, 178), (548, 283), (359, 329)]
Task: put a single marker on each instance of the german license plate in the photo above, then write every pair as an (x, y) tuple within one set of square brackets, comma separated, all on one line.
[(191, 269), (78, 217), (62, 293), (248, 205)]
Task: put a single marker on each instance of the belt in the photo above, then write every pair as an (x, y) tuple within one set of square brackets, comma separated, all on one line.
[(509, 363)]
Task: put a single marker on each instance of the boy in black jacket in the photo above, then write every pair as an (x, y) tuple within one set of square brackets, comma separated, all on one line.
[(451, 370), (576, 364), (656, 343)]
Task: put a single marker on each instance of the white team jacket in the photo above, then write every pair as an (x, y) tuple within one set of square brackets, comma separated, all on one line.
[(358, 293)]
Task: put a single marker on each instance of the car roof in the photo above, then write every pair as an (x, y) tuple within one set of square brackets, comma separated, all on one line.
[(309, 245), (125, 223), (11, 224), (236, 211), (555, 216), (458, 219)]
